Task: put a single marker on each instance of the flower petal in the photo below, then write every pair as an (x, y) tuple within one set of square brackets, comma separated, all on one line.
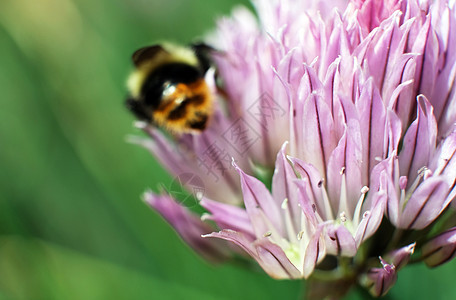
[(419, 141), (383, 180), (228, 216), (380, 280), (425, 204), (273, 256), (444, 163), (339, 241), (440, 249), (312, 188), (317, 132), (374, 136), (401, 257), (263, 210), (268, 255), (315, 252), (344, 168), (283, 187), (188, 226), (372, 12), (372, 218)]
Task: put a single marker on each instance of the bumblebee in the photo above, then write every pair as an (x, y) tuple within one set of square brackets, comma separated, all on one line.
[(168, 89)]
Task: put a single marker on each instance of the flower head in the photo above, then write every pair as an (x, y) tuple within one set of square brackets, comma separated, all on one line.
[(348, 112)]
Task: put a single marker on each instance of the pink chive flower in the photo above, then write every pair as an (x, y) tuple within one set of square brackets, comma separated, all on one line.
[(332, 148)]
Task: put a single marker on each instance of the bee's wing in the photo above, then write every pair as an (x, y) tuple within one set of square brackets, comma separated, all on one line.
[(203, 52), (145, 54)]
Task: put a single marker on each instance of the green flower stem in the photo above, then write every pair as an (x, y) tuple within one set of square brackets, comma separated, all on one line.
[(344, 270)]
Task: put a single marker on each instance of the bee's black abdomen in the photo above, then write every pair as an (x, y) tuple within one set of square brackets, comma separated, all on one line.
[(138, 109)]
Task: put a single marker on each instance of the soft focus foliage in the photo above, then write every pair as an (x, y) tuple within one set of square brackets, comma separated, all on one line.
[(71, 223)]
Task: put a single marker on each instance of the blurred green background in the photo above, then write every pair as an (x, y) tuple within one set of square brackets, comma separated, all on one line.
[(72, 225)]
